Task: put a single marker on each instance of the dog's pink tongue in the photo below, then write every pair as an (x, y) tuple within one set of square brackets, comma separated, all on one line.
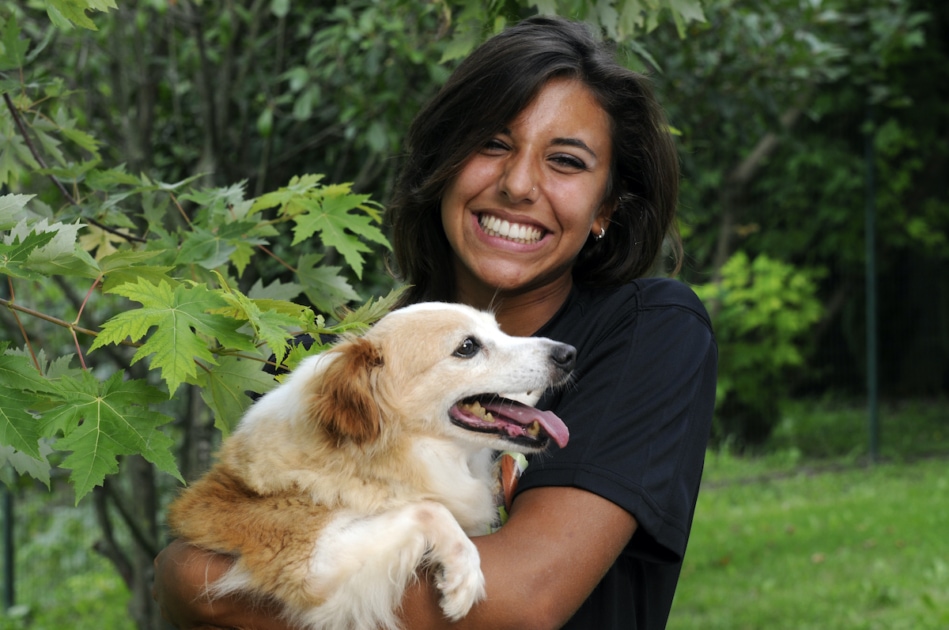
[(523, 415)]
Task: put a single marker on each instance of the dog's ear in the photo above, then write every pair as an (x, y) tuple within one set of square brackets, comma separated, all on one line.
[(342, 400)]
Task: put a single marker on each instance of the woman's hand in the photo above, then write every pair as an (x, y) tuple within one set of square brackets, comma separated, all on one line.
[(540, 566), (182, 573)]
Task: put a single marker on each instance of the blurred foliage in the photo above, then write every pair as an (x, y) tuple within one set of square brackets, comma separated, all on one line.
[(763, 311), (791, 117)]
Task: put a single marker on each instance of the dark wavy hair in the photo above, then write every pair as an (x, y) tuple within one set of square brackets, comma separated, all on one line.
[(485, 93)]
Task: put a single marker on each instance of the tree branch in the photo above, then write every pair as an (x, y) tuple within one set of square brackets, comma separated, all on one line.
[(21, 127)]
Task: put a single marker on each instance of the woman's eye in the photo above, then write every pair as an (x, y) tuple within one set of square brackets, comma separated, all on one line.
[(494, 146), (568, 161), (468, 348)]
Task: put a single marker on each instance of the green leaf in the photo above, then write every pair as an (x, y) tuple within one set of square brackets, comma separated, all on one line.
[(18, 372), (225, 389), (183, 328), (323, 285), (222, 204), (83, 139), (36, 467), (332, 217), (14, 257), (202, 247), (371, 311), (689, 10), (66, 13), (62, 255), (270, 319), (105, 420), (13, 210), (12, 47), (126, 266), (18, 426), (59, 255), (287, 198), (276, 290)]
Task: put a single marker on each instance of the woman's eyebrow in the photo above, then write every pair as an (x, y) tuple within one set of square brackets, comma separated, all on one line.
[(563, 142), (573, 142)]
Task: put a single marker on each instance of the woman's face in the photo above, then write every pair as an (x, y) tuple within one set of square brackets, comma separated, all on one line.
[(520, 209)]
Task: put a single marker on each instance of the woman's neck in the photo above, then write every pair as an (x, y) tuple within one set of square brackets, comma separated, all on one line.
[(520, 313)]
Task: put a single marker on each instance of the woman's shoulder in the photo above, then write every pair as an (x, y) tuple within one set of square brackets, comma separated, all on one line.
[(642, 309), (641, 296)]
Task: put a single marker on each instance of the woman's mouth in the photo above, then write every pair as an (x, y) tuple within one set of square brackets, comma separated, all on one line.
[(517, 232)]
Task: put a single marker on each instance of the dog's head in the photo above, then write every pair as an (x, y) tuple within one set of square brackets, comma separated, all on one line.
[(445, 369)]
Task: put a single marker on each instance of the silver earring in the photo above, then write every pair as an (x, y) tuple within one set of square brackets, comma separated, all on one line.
[(600, 235)]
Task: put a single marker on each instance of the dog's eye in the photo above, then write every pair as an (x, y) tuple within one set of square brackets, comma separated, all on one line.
[(468, 348)]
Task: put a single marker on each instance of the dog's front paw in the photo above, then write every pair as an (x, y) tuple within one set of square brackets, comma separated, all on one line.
[(460, 580)]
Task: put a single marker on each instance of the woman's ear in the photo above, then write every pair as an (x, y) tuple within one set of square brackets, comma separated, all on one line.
[(602, 221), (342, 399)]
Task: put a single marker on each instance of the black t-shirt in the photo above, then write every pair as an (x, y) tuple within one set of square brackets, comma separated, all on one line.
[(639, 413)]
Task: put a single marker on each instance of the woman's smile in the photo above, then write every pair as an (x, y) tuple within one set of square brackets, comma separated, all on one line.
[(516, 232)]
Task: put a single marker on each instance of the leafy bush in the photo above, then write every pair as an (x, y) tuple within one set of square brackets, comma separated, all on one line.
[(762, 310)]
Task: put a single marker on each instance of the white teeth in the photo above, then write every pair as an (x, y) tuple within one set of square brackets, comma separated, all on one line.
[(511, 231)]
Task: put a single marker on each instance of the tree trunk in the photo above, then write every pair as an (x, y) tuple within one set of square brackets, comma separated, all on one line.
[(736, 184)]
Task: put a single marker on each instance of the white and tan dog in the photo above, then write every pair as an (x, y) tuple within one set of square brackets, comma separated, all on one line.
[(371, 460)]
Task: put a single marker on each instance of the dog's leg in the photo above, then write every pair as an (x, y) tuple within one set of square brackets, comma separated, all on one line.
[(362, 566)]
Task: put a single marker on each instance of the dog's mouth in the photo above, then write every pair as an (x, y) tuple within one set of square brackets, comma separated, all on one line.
[(509, 420)]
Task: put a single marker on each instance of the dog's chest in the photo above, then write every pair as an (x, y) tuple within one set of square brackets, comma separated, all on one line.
[(461, 480)]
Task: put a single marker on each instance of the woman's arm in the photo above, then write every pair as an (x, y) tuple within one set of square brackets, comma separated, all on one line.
[(540, 567), (182, 572)]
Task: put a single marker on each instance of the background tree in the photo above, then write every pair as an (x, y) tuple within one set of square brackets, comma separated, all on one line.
[(777, 103)]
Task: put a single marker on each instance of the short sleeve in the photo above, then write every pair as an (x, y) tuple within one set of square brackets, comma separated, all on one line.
[(639, 409)]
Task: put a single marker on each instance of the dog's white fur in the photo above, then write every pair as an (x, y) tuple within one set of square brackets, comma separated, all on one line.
[(339, 484)]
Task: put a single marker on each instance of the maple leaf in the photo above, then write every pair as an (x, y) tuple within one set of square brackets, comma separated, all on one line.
[(202, 247), (225, 389), (25, 392), (276, 290), (102, 242), (222, 204), (102, 421), (323, 285), (38, 468), (65, 13), (62, 255), (18, 426), (14, 256), (12, 209), (12, 47), (370, 312), (128, 266), (289, 197), (331, 215), (270, 319), (182, 323)]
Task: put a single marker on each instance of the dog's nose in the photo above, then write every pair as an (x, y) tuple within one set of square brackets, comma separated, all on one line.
[(564, 356)]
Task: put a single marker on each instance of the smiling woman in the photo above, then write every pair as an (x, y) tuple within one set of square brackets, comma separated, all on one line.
[(481, 115), (545, 175)]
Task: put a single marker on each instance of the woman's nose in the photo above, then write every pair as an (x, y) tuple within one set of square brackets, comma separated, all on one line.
[(518, 180)]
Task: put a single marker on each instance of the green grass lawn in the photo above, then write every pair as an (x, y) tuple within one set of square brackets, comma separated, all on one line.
[(787, 540)]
